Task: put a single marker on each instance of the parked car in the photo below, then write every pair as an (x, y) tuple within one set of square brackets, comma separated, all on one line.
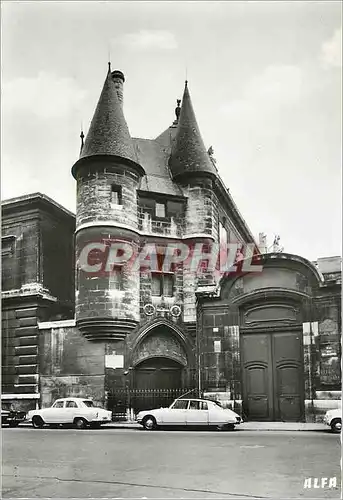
[(190, 413), (9, 416), (78, 411), (333, 418)]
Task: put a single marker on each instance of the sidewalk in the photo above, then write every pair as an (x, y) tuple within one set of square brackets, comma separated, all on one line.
[(246, 426)]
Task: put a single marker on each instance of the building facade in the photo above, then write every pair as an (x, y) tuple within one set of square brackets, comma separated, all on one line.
[(266, 343)]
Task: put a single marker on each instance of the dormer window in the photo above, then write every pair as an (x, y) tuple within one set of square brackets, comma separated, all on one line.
[(116, 195), (160, 210)]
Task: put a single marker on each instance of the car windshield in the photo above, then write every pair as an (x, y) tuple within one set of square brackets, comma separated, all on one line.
[(218, 404), (87, 402)]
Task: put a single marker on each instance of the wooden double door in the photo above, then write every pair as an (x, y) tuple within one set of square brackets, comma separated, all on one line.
[(273, 385), (158, 373)]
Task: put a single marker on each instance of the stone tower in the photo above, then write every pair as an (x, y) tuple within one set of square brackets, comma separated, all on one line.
[(107, 175)]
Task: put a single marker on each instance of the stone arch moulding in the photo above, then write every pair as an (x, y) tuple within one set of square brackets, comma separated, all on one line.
[(182, 354), (284, 271)]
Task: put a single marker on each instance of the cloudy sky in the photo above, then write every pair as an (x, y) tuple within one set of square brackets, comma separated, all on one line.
[(265, 79)]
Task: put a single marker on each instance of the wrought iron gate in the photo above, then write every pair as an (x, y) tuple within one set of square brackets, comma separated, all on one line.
[(121, 401)]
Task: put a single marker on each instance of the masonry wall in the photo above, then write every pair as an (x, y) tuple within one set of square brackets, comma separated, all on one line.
[(21, 264), (57, 259), (94, 195), (20, 365), (70, 365)]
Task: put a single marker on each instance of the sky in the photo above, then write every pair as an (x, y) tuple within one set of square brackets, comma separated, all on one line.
[(265, 81)]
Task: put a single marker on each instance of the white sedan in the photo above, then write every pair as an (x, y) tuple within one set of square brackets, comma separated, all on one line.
[(190, 413), (78, 411), (333, 418)]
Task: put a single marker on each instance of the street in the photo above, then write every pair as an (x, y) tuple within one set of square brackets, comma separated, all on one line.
[(124, 463)]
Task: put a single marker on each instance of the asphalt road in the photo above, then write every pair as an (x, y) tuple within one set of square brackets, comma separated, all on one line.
[(114, 463)]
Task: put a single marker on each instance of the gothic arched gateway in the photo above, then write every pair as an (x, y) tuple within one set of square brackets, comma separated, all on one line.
[(161, 364)]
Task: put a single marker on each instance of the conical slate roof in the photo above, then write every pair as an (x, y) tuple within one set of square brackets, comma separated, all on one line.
[(108, 133), (189, 155)]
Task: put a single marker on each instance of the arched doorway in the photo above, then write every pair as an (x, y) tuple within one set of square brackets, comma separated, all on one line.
[(271, 356), (158, 373), (160, 360)]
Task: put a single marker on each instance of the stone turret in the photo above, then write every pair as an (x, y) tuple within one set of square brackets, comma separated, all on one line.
[(108, 174)]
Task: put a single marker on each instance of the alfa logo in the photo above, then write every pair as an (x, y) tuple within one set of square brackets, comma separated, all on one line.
[(320, 482)]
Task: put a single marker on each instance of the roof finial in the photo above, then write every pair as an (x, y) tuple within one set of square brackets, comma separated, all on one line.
[(82, 136), (109, 66), (177, 111)]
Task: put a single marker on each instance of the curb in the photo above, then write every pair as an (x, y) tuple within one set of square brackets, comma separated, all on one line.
[(308, 427), (244, 427)]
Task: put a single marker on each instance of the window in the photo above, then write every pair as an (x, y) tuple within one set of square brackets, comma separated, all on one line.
[(7, 246), (180, 404), (194, 405), (217, 346), (116, 278), (162, 284), (88, 403), (174, 208), (58, 404), (116, 195), (223, 235), (160, 210), (203, 405), (71, 404)]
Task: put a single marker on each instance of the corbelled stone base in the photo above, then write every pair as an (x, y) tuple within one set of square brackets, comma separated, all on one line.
[(105, 328)]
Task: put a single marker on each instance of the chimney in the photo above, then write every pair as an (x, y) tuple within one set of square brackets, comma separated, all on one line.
[(118, 80)]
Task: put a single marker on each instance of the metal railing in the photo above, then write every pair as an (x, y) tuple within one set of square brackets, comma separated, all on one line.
[(123, 402)]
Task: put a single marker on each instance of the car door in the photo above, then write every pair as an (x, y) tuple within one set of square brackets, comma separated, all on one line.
[(54, 414), (217, 415), (71, 410), (176, 413), (197, 413)]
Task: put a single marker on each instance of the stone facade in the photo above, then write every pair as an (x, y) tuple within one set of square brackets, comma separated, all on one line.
[(122, 329), (288, 300), (37, 246)]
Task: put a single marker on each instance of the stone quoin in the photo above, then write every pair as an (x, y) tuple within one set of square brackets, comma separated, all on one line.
[(157, 287)]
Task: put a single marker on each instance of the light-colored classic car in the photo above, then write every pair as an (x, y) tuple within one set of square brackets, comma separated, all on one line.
[(333, 418), (78, 411), (190, 413)]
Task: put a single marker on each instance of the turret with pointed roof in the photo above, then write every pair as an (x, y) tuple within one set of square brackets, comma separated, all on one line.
[(189, 156), (108, 175), (108, 133)]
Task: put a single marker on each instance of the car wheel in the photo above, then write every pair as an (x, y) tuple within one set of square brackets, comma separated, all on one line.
[(226, 427), (13, 424), (149, 423), (80, 423), (336, 425), (37, 422), (95, 425)]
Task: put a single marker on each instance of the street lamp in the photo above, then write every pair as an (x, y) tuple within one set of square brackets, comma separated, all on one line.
[(127, 373)]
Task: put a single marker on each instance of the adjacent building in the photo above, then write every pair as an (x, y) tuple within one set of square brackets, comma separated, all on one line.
[(265, 342)]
